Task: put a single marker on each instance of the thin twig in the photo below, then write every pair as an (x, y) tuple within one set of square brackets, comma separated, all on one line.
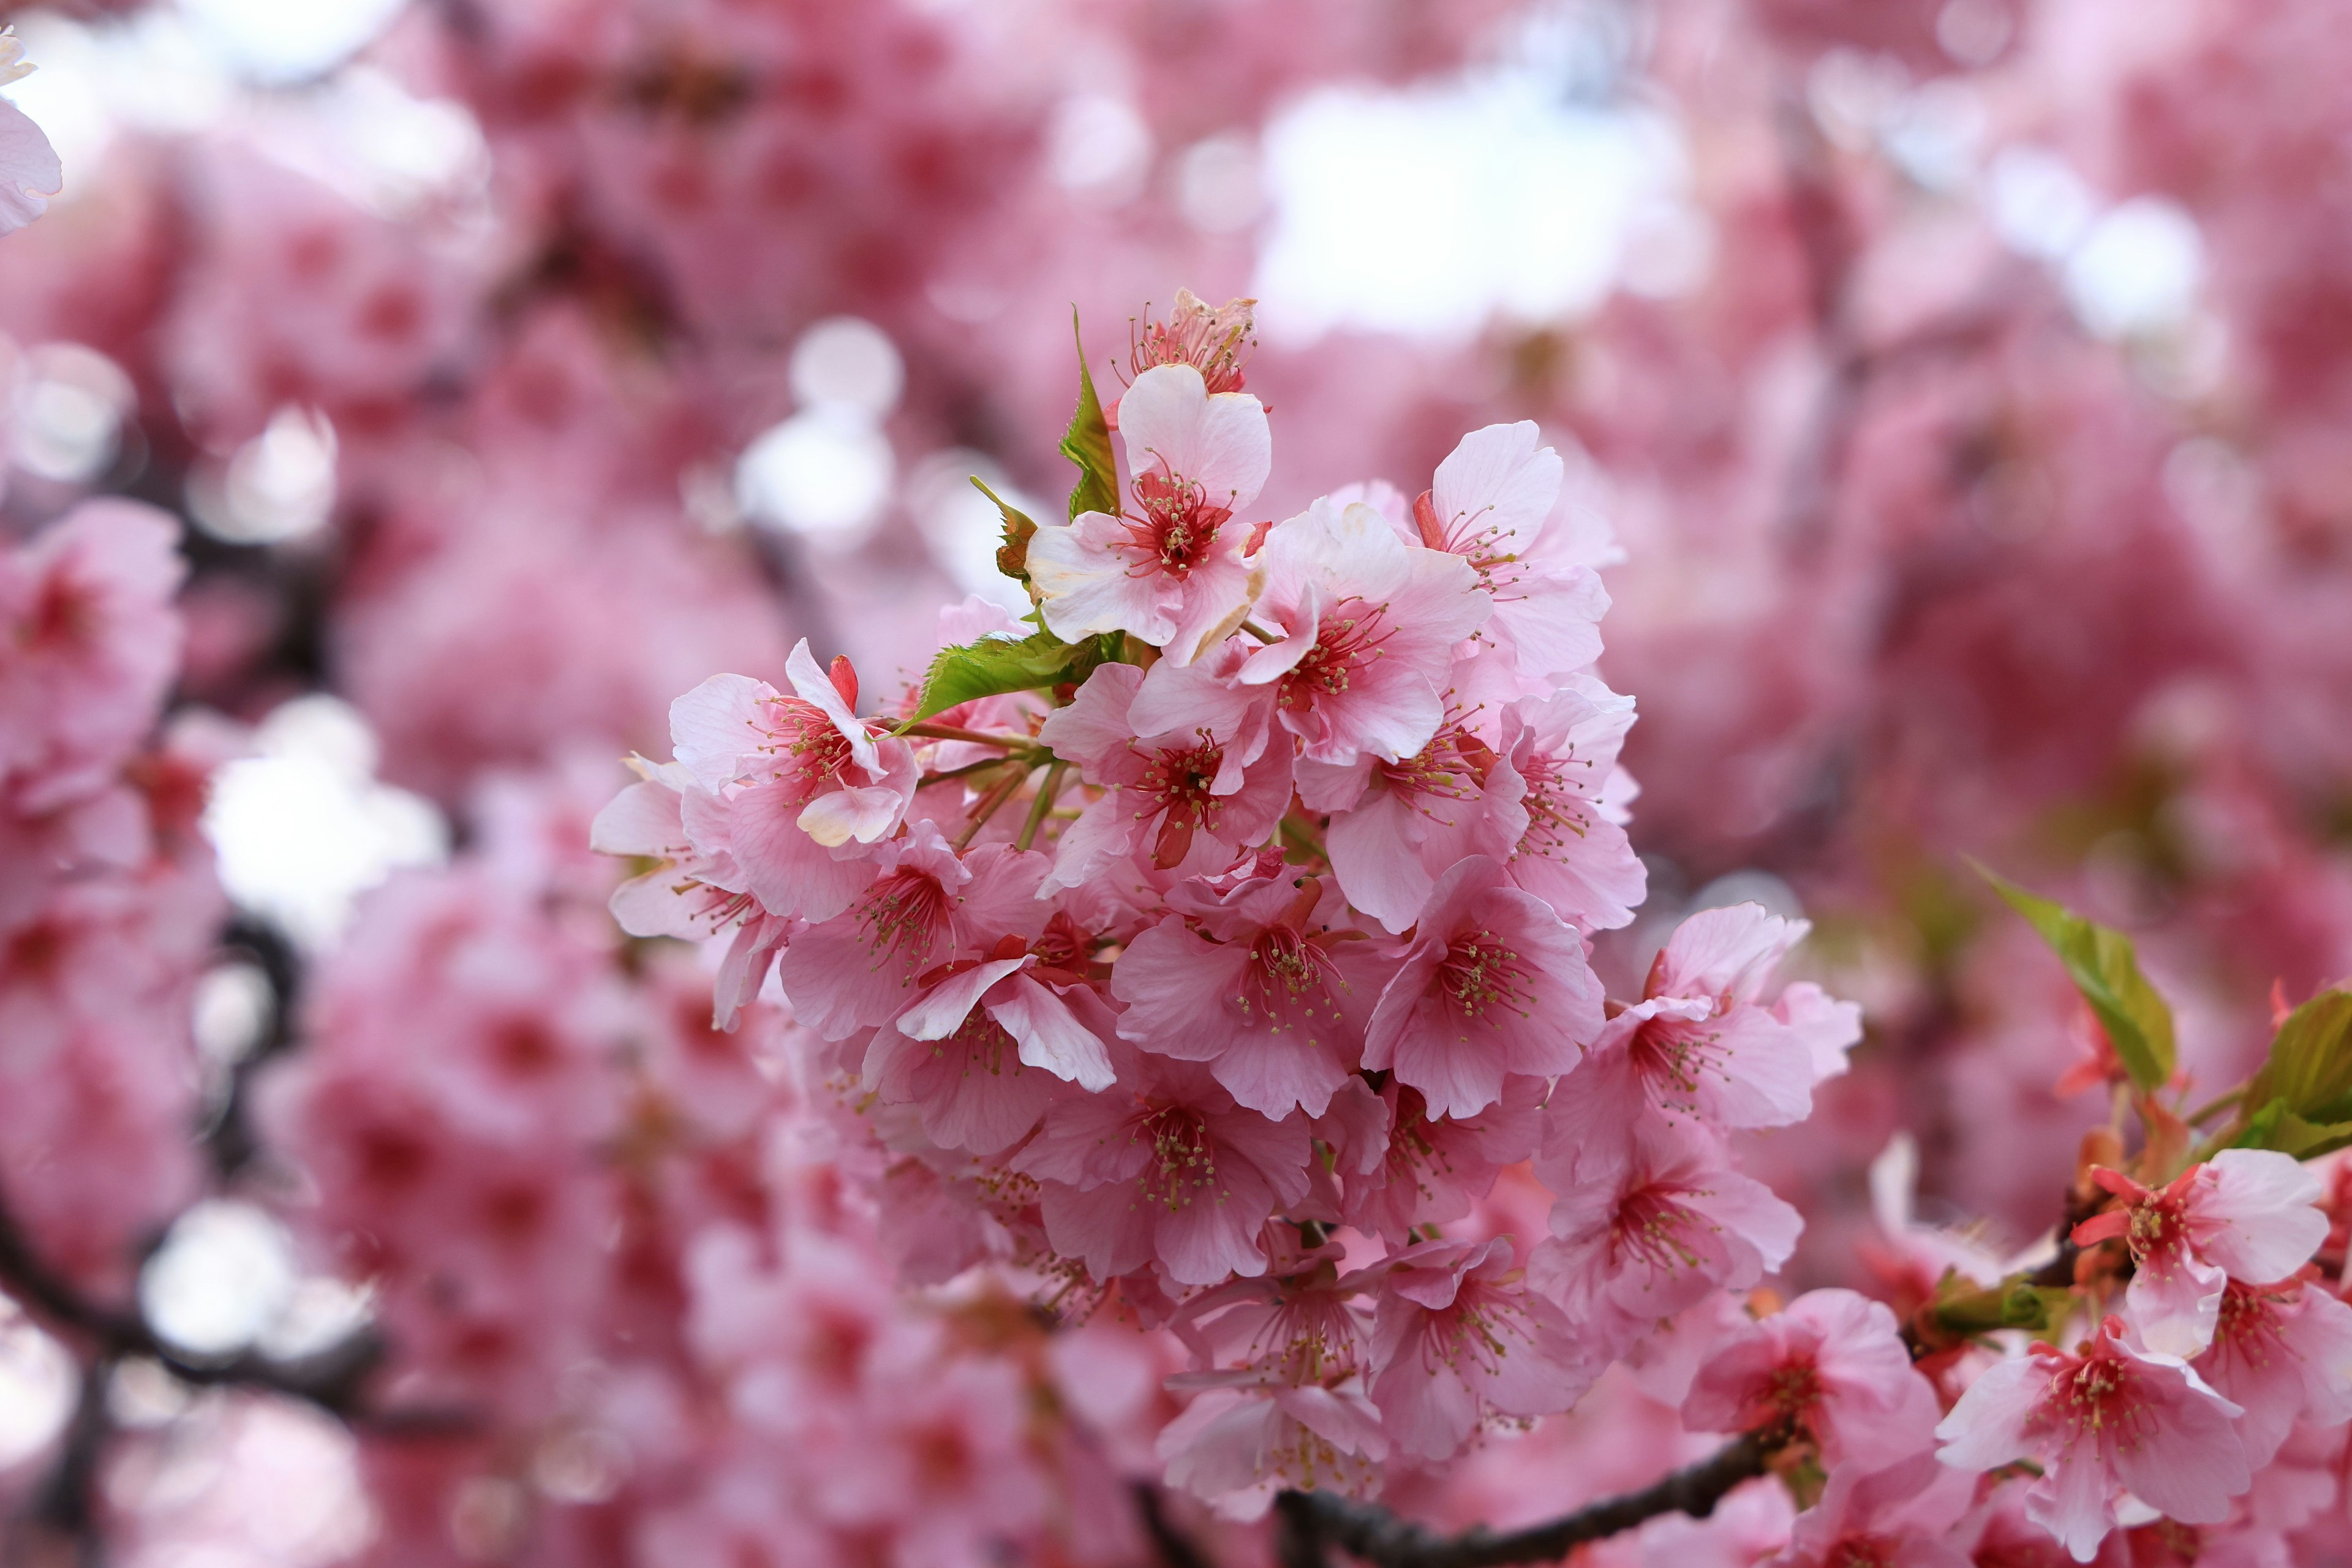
[(1369, 1531), (1016, 774), (1044, 803)]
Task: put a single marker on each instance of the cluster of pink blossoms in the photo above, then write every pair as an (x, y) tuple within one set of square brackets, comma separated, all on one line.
[(108, 906), (1219, 951)]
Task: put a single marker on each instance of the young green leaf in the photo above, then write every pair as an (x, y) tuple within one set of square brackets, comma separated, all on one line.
[(2103, 968), (1087, 444), (995, 665), (2310, 1066), (1012, 555)]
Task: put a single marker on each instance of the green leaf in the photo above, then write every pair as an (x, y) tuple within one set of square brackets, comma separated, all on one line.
[(1087, 444), (2309, 1073), (2103, 968), (1012, 555), (995, 665)]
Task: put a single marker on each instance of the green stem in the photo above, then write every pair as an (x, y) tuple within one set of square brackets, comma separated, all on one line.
[(2198, 1117), (1044, 803)]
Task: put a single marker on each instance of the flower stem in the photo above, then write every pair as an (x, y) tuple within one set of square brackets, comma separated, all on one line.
[(1044, 803), (1015, 774)]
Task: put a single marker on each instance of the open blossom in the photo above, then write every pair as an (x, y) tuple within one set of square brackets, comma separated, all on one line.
[(2248, 1215), (1833, 1365), (2106, 1419), (2284, 1353), (1366, 629), (1488, 504), (1426, 1170), (29, 171), (1249, 1433), (1701, 1043), (1458, 1339), (791, 789), (1257, 981), (1898, 1515), (1187, 800), (1212, 340), (1171, 570), (88, 640), (1490, 984), (1573, 854), (1398, 825), (924, 905), (1165, 1168), (984, 1041), (1646, 1225)]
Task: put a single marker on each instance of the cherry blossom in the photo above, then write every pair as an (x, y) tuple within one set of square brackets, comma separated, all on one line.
[(1459, 1339), (29, 171), (1492, 983), (1186, 797), (1256, 980), (2248, 1215), (1489, 501), (1363, 628), (1169, 1171), (2101, 1420), (1831, 1364), (1172, 571), (2283, 1353)]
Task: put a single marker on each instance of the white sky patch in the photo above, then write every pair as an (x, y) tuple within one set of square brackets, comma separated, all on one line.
[(287, 40), (222, 1275), (2137, 271), (1428, 210), (38, 1386), (303, 828)]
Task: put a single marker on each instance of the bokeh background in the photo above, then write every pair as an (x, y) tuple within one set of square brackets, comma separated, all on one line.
[(1965, 381)]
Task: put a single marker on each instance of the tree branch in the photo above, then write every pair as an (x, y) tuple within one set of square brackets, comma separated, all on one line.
[(1312, 1521)]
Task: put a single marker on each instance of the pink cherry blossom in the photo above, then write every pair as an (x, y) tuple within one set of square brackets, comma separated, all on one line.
[(1428, 1170), (1257, 981), (1833, 1365), (1699, 1044), (1213, 341), (1458, 1339), (1491, 984), (1165, 1169), (2105, 1418), (1186, 801), (925, 906), (1900, 1515), (1573, 854), (29, 171), (2248, 1215), (1365, 627), (1247, 1435), (1488, 504), (1644, 1227), (2284, 1353), (1400, 826), (88, 640), (791, 789), (1170, 571)]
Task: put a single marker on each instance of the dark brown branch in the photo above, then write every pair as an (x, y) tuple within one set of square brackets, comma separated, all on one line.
[(331, 1378), (1172, 1545), (1370, 1533)]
